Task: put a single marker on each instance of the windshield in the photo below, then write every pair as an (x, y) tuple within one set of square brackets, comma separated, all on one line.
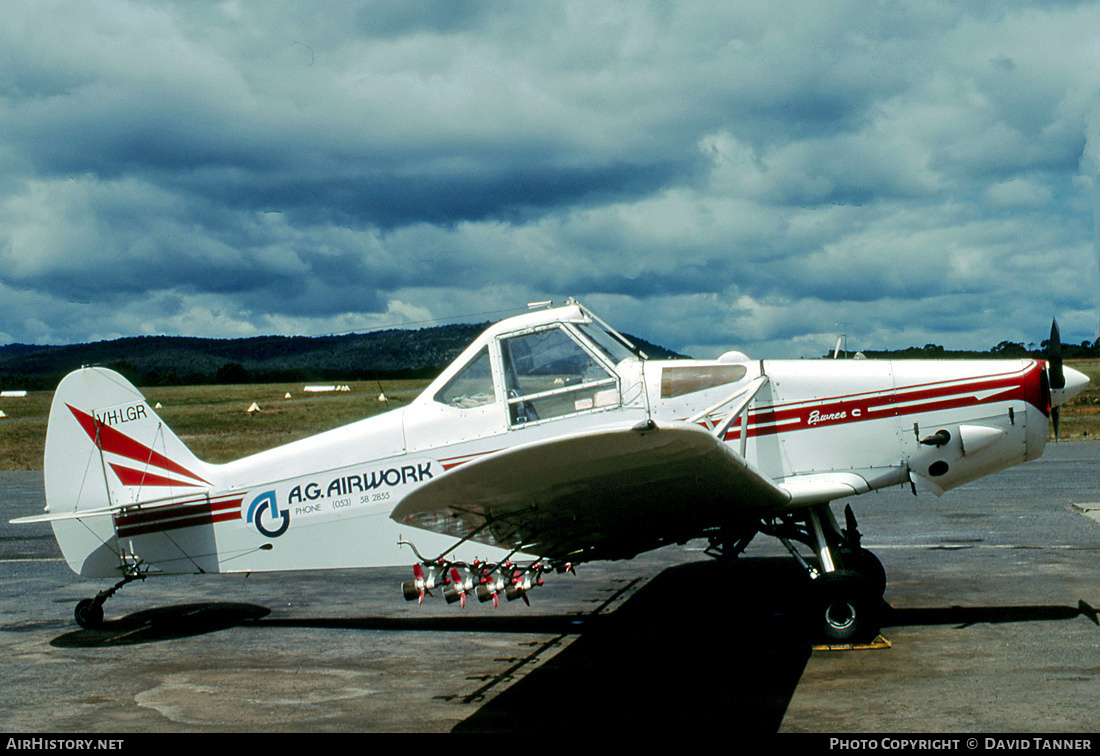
[(615, 350)]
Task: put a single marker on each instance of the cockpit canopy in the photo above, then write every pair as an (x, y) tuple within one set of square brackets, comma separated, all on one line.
[(541, 366)]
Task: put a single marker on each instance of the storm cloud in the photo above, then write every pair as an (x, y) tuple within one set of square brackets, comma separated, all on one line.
[(707, 176)]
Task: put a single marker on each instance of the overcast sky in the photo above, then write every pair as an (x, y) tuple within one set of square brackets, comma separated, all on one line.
[(708, 176)]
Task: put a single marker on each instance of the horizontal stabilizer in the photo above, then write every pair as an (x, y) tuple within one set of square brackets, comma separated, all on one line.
[(115, 509)]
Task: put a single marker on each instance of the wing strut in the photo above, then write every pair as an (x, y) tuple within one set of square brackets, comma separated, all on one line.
[(743, 398)]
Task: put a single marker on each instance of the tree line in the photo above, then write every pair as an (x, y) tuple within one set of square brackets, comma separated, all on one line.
[(174, 361), (389, 354), (1005, 350), (184, 361)]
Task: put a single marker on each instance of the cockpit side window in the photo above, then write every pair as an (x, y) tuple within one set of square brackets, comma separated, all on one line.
[(547, 374), (472, 386)]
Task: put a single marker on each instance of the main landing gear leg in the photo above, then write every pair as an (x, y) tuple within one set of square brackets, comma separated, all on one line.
[(89, 611), (847, 585)]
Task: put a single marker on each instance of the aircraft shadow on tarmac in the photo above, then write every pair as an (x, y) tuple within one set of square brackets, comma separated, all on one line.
[(700, 642), (704, 642), (163, 623), (964, 616)]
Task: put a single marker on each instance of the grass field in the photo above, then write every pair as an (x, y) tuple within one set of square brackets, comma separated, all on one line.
[(213, 420), (214, 423)]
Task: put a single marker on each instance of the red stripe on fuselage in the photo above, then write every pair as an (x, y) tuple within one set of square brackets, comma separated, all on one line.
[(183, 515), (908, 400), (452, 462)]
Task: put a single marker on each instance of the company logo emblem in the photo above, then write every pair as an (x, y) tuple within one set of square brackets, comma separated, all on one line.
[(266, 502)]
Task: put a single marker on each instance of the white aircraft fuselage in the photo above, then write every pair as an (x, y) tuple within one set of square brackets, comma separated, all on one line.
[(547, 437)]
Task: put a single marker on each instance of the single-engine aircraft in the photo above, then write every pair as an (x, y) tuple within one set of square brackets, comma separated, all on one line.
[(550, 441)]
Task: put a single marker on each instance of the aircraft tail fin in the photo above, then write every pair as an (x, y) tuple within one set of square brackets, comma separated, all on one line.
[(106, 449)]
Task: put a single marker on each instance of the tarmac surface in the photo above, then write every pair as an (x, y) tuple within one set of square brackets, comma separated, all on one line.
[(991, 626)]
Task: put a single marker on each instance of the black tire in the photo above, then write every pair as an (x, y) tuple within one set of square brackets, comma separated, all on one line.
[(847, 607), (867, 564), (89, 614)]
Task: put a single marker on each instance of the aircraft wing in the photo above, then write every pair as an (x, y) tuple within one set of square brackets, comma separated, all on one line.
[(601, 495)]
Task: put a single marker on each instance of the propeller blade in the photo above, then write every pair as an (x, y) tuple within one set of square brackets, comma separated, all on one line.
[(1054, 357)]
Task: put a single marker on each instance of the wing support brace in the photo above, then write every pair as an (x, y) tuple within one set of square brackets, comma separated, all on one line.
[(743, 397)]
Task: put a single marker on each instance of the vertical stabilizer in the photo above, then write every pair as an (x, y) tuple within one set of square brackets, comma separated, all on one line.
[(106, 447)]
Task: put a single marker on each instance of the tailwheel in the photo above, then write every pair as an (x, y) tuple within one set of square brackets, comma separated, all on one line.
[(89, 613), (846, 606)]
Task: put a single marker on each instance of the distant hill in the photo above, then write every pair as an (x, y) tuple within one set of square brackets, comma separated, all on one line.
[(178, 360), (1004, 350)]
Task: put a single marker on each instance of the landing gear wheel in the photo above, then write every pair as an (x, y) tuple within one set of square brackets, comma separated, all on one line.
[(867, 564), (89, 614), (846, 607)]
